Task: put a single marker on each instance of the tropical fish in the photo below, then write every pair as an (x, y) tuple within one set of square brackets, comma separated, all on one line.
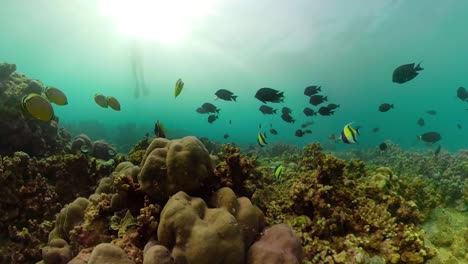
[(113, 103), (462, 94), (278, 172), (286, 110), (421, 122), (178, 87), (84, 149), (325, 111), (226, 136), (269, 95), (459, 126), (230, 122), (383, 146), (437, 151), (287, 118), (212, 118), (200, 110), (261, 139), (405, 73), (300, 133), (385, 107), (225, 95), (375, 129), (159, 130), (38, 107), (101, 100), (317, 99), (55, 96), (266, 110), (309, 111), (349, 134), (431, 112), (210, 108), (311, 90), (273, 131), (306, 124), (333, 106), (430, 137), (111, 152)]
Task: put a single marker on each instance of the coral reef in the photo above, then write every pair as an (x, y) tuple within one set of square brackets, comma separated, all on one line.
[(99, 149)]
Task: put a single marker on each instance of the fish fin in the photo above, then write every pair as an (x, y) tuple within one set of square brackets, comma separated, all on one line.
[(234, 98), (325, 98), (217, 111), (319, 88), (418, 137), (418, 67)]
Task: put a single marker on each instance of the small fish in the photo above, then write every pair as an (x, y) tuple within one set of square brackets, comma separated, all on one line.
[(459, 126), (333, 106), (306, 124), (437, 151), (406, 72), (383, 146), (111, 152), (317, 99), (210, 108), (84, 149), (431, 112), (299, 133), (309, 111), (421, 122), (101, 100), (375, 129), (273, 131), (349, 134), (226, 136), (307, 131), (269, 95), (159, 130), (113, 103), (286, 110), (212, 118), (38, 107), (325, 111), (287, 118), (430, 137), (225, 95), (230, 122), (311, 90), (385, 107), (55, 96), (333, 137), (266, 110), (462, 94), (200, 110), (278, 172), (261, 139), (179, 85)]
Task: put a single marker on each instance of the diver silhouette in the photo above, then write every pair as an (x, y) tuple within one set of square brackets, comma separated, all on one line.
[(137, 68)]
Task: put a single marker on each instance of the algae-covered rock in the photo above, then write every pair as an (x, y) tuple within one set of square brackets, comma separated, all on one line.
[(6, 70), (69, 217), (175, 165), (108, 254), (158, 254), (57, 252)]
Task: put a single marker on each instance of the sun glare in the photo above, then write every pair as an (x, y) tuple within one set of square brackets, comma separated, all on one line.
[(168, 21)]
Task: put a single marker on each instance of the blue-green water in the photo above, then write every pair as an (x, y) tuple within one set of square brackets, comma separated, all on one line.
[(350, 48)]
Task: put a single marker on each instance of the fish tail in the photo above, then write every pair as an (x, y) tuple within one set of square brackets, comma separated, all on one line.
[(319, 88), (274, 111), (234, 98), (418, 137), (418, 67), (325, 98), (217, 110)]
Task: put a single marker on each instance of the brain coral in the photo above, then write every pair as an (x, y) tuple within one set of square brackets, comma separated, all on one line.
[(170, 166)]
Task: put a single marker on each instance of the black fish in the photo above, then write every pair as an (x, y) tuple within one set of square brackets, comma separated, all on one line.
[(309, 111), (226, 136), (430, 137), (159, 130), (288, 118), (273, 131), (462, 94), (225, 95), (431, 112), (421, 122), (383, 146), (299, 133), (210, 108), (375, 129), (459, 126), (306, 124), (269, 95), (437, 151), (307, 131), (333, 106), (385, 107), (286, 110), (212, 118), (311, 90), (200, 110), (266, 110), (325, 111), (230, 122), (405, 73), (317, 99)]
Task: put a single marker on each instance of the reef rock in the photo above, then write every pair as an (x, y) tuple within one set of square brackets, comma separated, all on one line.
[(278, 245), (158, 255), (6, 70), (195, 233), (69, 217), (175, 165), (57, 252)]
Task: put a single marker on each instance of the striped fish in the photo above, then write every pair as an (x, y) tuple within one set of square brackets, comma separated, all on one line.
[(349, 134), (278, 172), (261, 139)]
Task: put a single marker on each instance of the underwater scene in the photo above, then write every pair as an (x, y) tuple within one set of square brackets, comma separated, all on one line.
[(233, 132)]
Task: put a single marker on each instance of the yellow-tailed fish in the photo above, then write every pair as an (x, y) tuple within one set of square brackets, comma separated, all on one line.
[(101, 100), (159, 130), (55, 96), (38, 107), (261, 139), (178, 87), (278, 172), (113, 103), (349, 134)]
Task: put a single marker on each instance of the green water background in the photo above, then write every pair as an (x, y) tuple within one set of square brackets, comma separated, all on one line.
[(350, 48)]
